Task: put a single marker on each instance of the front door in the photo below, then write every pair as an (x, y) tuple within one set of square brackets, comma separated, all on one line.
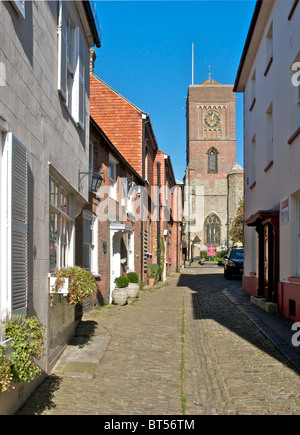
[(266, 261), (115, 262), (270, 282)]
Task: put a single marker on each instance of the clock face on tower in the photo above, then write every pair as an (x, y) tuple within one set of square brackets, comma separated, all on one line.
[(212, 119)]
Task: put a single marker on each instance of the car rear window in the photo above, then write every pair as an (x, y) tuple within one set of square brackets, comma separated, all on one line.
[(237, 254)]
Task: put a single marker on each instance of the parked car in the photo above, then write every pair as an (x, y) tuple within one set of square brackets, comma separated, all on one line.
[(234, 263)]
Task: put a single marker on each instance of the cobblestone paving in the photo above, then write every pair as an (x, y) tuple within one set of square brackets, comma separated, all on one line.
[(229, 366)]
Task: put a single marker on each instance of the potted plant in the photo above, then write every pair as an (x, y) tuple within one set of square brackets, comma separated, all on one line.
[(81, 283), (18, 358), (120, 293), (133, 286), (153, 273)]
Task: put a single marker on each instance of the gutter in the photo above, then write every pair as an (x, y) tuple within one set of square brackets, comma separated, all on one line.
[(247, 43), (91, 20)]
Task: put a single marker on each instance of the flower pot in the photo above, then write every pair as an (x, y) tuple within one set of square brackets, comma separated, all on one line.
[(120, 296), (151, 281), (133, 290)]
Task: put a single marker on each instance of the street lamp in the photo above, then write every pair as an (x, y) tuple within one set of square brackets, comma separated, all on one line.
[(96, 180)]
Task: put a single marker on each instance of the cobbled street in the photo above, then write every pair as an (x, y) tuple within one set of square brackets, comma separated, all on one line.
[(182, 348)]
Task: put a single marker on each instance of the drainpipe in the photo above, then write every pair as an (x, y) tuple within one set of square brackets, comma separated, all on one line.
[(158, 221)]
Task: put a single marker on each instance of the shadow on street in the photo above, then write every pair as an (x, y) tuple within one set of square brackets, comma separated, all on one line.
[(210, 303)]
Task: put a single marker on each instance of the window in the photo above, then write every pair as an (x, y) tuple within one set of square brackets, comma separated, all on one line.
[(295, 98), (147, 163), (253, 160), (269, 139), (212, 228), (60, 226), (113, 177), (269, 48), (253, 90), (212, 154), (90, 231), (14, 226), (71, 64)]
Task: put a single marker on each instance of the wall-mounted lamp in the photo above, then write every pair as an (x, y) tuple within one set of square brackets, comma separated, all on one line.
[(96, 180)]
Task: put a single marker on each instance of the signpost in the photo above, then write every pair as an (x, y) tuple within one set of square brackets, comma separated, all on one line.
[(211, 251)]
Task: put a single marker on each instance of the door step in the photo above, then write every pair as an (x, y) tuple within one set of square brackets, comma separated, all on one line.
[(264, 304)]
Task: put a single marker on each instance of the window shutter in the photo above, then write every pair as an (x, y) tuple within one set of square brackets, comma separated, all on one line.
[(17, 225), (62, 48), (80, 85)]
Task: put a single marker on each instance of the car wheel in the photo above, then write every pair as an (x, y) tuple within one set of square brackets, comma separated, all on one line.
[(227, 274)]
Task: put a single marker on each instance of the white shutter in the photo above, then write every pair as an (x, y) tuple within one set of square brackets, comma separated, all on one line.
[(80, 84), (17, 224), (62, 48)]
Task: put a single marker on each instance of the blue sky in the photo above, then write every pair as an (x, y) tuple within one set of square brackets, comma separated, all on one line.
[(146, 55)]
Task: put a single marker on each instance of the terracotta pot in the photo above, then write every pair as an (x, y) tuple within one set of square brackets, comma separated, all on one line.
[(151, 281)]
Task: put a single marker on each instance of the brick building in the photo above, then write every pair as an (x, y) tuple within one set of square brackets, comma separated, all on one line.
[(166, 237), (108, 235), (213, 179), (130, 130)]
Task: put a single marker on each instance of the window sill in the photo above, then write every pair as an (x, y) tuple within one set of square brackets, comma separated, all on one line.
[(293, 137), (268, 66), (252, 185), (292, 10), (269, 165), (252, 105)]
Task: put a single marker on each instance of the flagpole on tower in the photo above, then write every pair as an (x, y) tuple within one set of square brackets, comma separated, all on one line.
[(192, 63)]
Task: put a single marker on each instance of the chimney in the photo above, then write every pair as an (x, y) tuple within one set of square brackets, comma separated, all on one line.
[(92, 60)]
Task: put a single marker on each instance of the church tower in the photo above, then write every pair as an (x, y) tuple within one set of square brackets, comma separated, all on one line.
[(211, 167)]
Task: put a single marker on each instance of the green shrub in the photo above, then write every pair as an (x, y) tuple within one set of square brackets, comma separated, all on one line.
[(133, 277), (28, 337), (5, 371), (154, 271), (122, 282), (81, 283)]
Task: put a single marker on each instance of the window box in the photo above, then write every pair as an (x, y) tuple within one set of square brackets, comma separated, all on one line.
[(64, 290)]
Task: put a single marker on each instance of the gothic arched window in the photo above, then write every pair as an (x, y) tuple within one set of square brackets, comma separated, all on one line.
[(212, 228), (212, 163)]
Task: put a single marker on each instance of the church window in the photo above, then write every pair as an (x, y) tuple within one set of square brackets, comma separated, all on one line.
[(212, 154), (212, 230)]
